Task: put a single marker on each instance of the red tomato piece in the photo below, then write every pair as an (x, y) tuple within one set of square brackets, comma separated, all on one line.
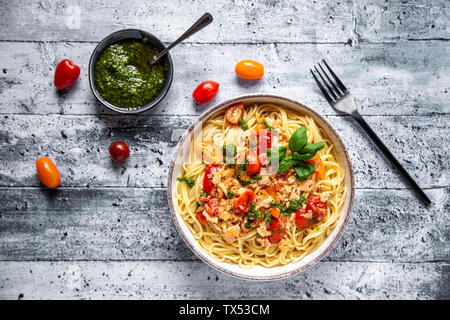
[(277, 229), (212, 206), (66, 74), (208, 178), (265, 140), (302, 219), (205, 92), (254, 165), (249, 69), (234, 113), (47, 172), (319, 208), (242, 203), (201, 218), (119, 151)]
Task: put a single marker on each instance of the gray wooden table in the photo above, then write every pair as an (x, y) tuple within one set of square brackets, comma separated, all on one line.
[(107, 231)]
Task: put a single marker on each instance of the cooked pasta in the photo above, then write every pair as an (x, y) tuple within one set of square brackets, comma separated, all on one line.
[(241, 210)]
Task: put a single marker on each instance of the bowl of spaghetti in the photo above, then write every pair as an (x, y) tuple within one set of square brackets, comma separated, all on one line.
[(260, 187)]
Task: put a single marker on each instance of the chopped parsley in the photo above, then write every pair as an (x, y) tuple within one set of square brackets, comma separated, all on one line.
[(252, 213), (204, 194), (268, 218), (190, 182), (230, 194), (257, 177), (243, 124), (248, 225), (294, 205), (264, 122), (239, 169), (258, 235)]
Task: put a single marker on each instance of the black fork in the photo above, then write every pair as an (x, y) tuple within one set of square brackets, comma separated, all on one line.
[(340, 98)]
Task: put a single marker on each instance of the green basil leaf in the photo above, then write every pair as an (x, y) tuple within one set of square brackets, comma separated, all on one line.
[(312, 147), (303, 156), (275, 155), (298, 140), (286, 163), (304, 170)]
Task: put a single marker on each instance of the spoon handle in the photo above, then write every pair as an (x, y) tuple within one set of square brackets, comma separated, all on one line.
[(197, 26)]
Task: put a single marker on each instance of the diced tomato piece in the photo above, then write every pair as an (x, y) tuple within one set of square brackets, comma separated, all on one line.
[(208, 178), (254, 165), (317, 162), (272, 192), (275, 212), (241, 205), (234, 113), (302, 220), (201, 218), (319, 208), (212, 206), (278, 186), (265, 140), (277, 229)]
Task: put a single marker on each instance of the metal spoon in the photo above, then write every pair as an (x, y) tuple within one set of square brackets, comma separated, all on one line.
[(199, 25)]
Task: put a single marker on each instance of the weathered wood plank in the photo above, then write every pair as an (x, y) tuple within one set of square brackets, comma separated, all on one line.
[(196, 280), (135, 224), (234, 21), (409, 78), (382, 20), (79, 144)]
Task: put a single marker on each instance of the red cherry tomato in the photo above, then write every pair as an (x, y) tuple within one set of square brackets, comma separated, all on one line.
[(119, 151), (212, 206), (319, 208), (242, 203), (303, 219), (201, 218), (47, 172), (265, 141), (254, 165), (277, 229), (205, 91), (234, 113), (249, 69), (66, 74), (208, 178)]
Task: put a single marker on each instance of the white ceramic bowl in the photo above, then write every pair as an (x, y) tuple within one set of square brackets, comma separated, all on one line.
[(259, 272)]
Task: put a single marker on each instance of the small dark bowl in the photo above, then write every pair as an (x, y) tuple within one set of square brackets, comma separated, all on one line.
[(124, 35)]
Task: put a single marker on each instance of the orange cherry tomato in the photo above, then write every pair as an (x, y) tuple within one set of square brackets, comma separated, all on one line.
[(254, 166), (47, 172), (242, 203), (201, 218), (317, 162), (234, 113), (249, 69)]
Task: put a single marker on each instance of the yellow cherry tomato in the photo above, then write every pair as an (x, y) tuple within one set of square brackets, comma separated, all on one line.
[(249, 69), (47, 172)]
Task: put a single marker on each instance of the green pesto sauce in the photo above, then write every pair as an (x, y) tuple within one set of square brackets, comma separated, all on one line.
[(123, 75)]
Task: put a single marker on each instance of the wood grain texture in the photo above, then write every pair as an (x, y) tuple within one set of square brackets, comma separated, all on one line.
[(136, 224), (392, 20), (79, 144), (234, 21), (107, 232), (196, 280), (408, 78)]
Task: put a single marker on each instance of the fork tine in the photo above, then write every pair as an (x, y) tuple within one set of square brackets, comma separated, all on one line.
[(325, 93), (338, 91), (341, 85), (326, 83)]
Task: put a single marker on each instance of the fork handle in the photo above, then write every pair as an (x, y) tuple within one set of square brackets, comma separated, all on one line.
[(390, 156)]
